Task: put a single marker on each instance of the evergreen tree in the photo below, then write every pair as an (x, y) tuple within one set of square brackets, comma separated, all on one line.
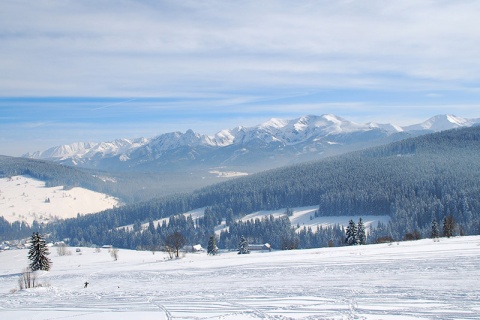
[(435, 231), (38, 253), (351, 234), (289, 212), (212, 246), (243, 246), (448, 226), (361, 235)]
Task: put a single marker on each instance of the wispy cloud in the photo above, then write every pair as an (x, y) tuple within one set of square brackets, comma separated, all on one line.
[(141, 48), (169, 65), (114, 104)]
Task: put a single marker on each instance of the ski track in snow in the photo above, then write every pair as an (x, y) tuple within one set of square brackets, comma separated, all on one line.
[(410, 280)]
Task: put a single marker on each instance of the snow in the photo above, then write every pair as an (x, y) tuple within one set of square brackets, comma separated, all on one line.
[(305, 217), (388, 127), (440, 123), (409, 280), (227, 174), (22, 198), (196, 213)]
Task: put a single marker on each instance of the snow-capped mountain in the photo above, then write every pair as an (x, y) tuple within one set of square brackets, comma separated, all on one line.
[(273, 143), (441, 123), (81, 152)]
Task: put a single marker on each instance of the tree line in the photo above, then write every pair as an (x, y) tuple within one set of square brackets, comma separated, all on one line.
[(413, 181)]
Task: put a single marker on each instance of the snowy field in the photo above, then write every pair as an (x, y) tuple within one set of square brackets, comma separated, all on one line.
[(23, 198), (409, 280)]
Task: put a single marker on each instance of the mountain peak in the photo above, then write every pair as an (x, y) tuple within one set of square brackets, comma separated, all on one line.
[(440, 122), (274, 123), (309, 136)]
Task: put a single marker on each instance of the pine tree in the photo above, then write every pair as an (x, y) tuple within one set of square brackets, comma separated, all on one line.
[(38, 253), (435, 231), (243, 246), (212, 246), (448, 226), (361, 235), (351, 234)]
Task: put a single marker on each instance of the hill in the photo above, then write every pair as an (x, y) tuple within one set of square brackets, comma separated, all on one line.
[(129, 187), (410, 280), (27, 199), (413, 181)]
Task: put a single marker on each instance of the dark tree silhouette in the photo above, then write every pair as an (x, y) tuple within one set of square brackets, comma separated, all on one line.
[(38, 253), (212, 246), (351, 234), (448, 226), (175, 241), (243, 246)]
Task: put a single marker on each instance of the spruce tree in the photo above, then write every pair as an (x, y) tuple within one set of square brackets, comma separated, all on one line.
[(361, 235), (351, 234), (38, 253), (212, 246), (435, 231), (448, 226), (243, 246)]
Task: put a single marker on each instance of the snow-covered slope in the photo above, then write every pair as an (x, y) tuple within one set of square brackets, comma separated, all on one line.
[(273, 143), (441, 123), (302, 217), (407, 280), (80, 151), (26, 199)]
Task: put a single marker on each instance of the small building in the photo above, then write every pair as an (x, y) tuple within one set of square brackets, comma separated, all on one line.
[(260, 247), (197, 248)]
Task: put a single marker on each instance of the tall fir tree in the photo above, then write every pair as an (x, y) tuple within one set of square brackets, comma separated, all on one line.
[(361, 234), (435, 230), (351, 234), (212, 248), (38, 253), (243, 246), (448, 226)]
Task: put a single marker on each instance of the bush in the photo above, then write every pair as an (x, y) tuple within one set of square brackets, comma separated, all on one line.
[(27, 279), (63, 251), (415, 235), (385, 239)]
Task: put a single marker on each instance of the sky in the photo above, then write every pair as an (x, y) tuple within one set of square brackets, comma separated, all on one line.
[(101, 70)]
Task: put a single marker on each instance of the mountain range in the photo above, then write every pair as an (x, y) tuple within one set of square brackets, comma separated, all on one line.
[(271, 144)]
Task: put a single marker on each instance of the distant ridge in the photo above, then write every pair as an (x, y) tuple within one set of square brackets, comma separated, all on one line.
[(274, 143)]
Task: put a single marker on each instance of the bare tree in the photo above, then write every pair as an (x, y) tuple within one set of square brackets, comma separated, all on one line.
[(174, 242), (62, 250), (27, 279)]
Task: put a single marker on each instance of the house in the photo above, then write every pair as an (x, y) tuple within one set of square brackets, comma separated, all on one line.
[(260, 247), (197, 248)]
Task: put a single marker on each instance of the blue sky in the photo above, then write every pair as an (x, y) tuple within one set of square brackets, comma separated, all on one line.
[(100, 70)]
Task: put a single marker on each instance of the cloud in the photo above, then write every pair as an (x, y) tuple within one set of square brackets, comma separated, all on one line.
[(114, 104), (144, 48), (95, 68)]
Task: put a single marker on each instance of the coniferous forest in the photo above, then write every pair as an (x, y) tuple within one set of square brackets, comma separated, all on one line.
[(414, 181)]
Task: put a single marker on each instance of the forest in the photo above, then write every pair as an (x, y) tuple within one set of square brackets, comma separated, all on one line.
[(129, 187), (414, 181)]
